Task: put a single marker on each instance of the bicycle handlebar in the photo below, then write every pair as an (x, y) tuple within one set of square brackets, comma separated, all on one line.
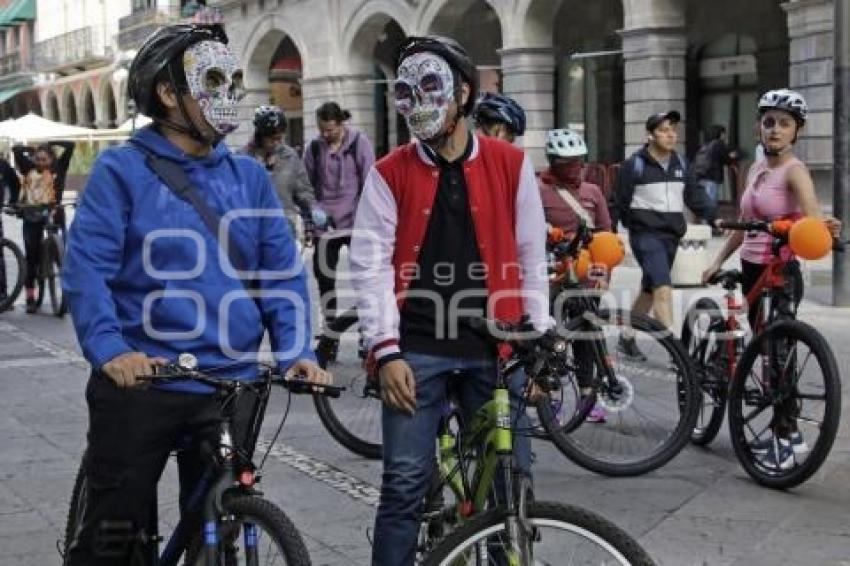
[(298, 385), (777, 228)]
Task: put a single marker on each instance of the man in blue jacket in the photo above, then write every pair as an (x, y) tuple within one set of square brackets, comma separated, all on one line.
[(652, 191), (146, 280)]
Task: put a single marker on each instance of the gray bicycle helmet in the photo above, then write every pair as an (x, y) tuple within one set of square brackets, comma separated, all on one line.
[(785, 99)]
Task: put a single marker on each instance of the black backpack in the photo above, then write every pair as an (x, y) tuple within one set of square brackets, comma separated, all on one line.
[(703, 160), (351, 151)]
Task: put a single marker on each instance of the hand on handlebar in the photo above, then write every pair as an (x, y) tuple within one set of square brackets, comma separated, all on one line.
[(131, 368), (310, 372)]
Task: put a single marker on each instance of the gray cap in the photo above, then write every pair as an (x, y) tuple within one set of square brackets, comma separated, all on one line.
[(655, 120)]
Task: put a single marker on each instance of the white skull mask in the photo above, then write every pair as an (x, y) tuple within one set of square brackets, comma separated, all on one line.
[(424, 91), (215, 82)]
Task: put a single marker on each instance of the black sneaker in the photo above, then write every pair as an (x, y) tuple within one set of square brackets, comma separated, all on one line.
[(32, 306), (629, 348)]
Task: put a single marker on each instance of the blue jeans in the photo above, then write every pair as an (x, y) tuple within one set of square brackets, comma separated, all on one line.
[(410, 445), (712, 191)]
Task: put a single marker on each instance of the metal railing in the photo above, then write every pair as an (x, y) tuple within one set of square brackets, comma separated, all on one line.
[(74, 48)]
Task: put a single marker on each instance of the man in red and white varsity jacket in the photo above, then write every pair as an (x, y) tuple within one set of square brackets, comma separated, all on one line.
[(449, 227)]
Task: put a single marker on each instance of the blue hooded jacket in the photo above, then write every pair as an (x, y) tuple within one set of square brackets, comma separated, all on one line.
[(143, 273)]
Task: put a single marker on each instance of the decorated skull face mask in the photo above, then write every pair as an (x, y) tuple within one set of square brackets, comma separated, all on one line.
[(215, 82), (423, 92)]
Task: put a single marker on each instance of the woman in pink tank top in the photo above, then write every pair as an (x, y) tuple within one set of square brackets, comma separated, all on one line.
[(778, 186)]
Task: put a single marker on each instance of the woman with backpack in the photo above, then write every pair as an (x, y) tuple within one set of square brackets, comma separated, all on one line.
[(337, 163)]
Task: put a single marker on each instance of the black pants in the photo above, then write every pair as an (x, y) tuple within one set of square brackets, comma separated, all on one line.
[(33, 235), (131, 434), (750, 273), (3, 288), (325, 262)]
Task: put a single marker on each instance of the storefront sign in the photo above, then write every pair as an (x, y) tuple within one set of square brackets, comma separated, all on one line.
[(727, 66)]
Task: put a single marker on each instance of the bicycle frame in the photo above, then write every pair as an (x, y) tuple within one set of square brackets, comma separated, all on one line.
[(231, 470)]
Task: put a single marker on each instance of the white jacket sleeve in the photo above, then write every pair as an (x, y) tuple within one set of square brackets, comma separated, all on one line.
[(531, 248), (372, 273)]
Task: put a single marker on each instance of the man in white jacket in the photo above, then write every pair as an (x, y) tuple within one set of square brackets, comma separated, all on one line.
[(449, 228)]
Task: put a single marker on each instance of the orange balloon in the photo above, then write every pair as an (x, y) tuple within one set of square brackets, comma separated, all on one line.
[(556, 235), (607, 248), (582, 264), (810, 238)]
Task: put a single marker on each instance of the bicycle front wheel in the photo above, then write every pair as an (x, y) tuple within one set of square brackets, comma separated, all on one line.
[(560, 534), (703, 323), (785, 404), (645, 407), (353, 419), (12, 273), (253, 531)]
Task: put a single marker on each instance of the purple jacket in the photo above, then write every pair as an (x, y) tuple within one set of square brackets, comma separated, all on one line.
[(339, 177)]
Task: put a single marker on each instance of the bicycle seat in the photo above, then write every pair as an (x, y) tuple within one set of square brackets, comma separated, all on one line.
[(728, 279)]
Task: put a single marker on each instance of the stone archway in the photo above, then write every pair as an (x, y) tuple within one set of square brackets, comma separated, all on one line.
[(373, 49), (108, 105), (273, 68), (69, 107), (52, 107), (88, 111)]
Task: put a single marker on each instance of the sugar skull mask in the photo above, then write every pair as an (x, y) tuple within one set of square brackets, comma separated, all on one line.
[(214, 79), (423, 92)]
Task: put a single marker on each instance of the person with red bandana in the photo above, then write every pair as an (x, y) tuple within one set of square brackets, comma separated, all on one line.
[(449, 228)]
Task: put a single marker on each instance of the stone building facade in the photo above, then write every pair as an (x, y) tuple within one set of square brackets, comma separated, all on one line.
[(600, 67)]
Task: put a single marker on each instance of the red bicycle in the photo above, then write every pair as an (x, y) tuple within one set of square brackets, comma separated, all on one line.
[(783, 389)]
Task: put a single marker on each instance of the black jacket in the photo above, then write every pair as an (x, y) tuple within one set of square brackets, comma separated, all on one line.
[(11, 185), (648, 198)]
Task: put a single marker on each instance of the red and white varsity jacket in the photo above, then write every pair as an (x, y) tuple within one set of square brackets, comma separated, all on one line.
[(392, 220)]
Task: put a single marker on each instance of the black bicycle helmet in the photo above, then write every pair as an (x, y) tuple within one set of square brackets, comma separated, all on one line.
[(453, 53), (269, 120), (160, 49), (496, 107)]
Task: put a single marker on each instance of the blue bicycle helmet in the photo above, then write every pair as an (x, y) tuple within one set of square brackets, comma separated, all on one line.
[(494, 107)]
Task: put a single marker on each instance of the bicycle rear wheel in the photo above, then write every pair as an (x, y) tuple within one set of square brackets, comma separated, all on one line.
[(561, 534), (52, 256), (703, 322), (353, 419), (785, 404), (650, 406), (12, 273)]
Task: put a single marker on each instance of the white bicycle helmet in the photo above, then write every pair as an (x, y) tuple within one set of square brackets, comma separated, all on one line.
[(785, 99), (565, 143)]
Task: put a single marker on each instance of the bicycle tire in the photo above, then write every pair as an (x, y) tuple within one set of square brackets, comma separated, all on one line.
[(687, 391), (52, 273), (270, 518), (328, 409), (817, 344), (713, 396), (78, 494), (13, 288), (576, 520)]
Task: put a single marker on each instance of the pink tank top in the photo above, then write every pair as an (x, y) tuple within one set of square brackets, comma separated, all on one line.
[(767, 197)]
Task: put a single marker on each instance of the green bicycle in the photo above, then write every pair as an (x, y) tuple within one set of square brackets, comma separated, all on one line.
[(491, 516)]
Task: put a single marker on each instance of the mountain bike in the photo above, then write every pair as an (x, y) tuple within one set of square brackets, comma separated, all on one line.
[(612, 414), (651, 406), (225, 508), (12, 270), (492, 514), (52, 248), (783, 389)]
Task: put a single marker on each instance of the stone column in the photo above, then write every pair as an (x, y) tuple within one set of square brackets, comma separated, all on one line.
[(810, 27), (528, 76), (654, 74)]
